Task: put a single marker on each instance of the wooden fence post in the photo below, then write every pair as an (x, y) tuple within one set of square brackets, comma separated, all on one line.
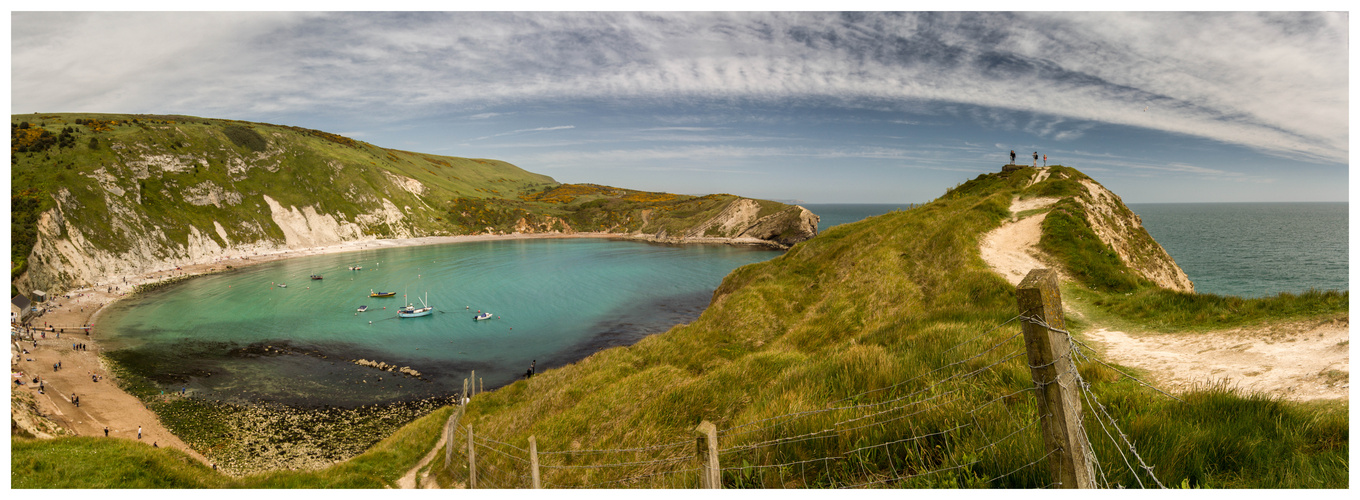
[(1056, 378), (710, 475), (472, 461), (533, 461), (474, 382)]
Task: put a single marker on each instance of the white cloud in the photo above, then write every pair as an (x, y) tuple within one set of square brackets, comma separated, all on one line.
[(521, 131), (1273, 81)]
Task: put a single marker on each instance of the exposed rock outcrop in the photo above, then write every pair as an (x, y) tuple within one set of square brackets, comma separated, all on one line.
[(741, 220), (1123, 231)]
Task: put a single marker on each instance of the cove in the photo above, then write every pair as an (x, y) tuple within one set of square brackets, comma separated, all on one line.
[(238, 337)]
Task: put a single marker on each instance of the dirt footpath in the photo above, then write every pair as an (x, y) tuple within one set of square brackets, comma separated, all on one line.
[(1297, 360)]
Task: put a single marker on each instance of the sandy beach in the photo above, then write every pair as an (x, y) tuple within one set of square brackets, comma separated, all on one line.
[(83, 373)]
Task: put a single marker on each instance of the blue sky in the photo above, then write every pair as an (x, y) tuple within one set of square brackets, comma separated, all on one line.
[(820, 107)]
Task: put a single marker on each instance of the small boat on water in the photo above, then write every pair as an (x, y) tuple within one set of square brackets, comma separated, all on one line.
[(410, 310), (372, 293), (363, 308), (281, 285), (316, 276), (356, 268), (482, 316)]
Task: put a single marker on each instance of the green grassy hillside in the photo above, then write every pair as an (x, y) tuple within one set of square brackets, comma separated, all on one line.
[(87, 462), (886, 331), (130, 187)]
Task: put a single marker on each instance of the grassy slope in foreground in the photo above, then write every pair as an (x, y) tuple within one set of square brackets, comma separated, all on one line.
[(91, 462), (904, 299)]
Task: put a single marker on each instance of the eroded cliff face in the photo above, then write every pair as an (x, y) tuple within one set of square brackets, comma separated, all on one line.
[(741, 220), (64, 256), (134, 219), (1123, 230)]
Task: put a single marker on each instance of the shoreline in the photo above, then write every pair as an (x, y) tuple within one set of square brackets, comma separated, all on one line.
[(106, 405)]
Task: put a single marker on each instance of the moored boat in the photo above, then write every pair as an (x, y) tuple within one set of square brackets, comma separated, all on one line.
[(316, 276), (372, 293), (410, 310), (482, 316), (363, 308)]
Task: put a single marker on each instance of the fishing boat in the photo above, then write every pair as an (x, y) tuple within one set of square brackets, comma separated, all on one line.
[(372, 293), (482, 316), (281, 285), (363, 308), (316, 276), (410, 310)]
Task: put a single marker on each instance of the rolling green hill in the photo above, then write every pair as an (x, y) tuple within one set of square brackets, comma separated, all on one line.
[(95, 196), (885, 353)]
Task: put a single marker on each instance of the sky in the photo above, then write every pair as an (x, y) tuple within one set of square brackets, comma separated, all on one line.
[(813, 107)]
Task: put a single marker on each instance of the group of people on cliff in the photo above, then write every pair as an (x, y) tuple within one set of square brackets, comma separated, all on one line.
[(1036, 158)]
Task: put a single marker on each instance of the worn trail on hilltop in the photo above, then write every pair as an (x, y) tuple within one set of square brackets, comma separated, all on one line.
[(1296, 360)]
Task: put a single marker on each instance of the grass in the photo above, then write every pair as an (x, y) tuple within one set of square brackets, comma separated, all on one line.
[(88, 462), (882, 312), (128, 179), (1164, 311), (66, 463)]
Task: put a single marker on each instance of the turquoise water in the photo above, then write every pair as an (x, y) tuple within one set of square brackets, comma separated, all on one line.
[(1254, 249), (236, 337)]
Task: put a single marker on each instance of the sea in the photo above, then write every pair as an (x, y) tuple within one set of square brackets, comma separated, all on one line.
[(241, 337), (1254, 249)]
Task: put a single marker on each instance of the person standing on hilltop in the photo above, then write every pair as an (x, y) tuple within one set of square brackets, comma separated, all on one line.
[(1012, 157), (1036, 159), (1045, 160)]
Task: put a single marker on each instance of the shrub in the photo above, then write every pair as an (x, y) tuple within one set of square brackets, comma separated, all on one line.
[(245, 137)]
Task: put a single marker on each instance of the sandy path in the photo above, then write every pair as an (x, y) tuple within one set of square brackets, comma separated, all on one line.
[(1299, 361), (1012, 249), (408, 481)]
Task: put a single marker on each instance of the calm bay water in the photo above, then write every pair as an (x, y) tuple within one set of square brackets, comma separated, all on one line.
[(1254, 249), (235, 337)]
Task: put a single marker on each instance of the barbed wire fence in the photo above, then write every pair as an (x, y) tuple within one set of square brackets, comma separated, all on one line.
[(950, 426)]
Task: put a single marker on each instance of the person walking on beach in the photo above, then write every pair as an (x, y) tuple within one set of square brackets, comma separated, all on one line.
[(139, 432), (106, 432)]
